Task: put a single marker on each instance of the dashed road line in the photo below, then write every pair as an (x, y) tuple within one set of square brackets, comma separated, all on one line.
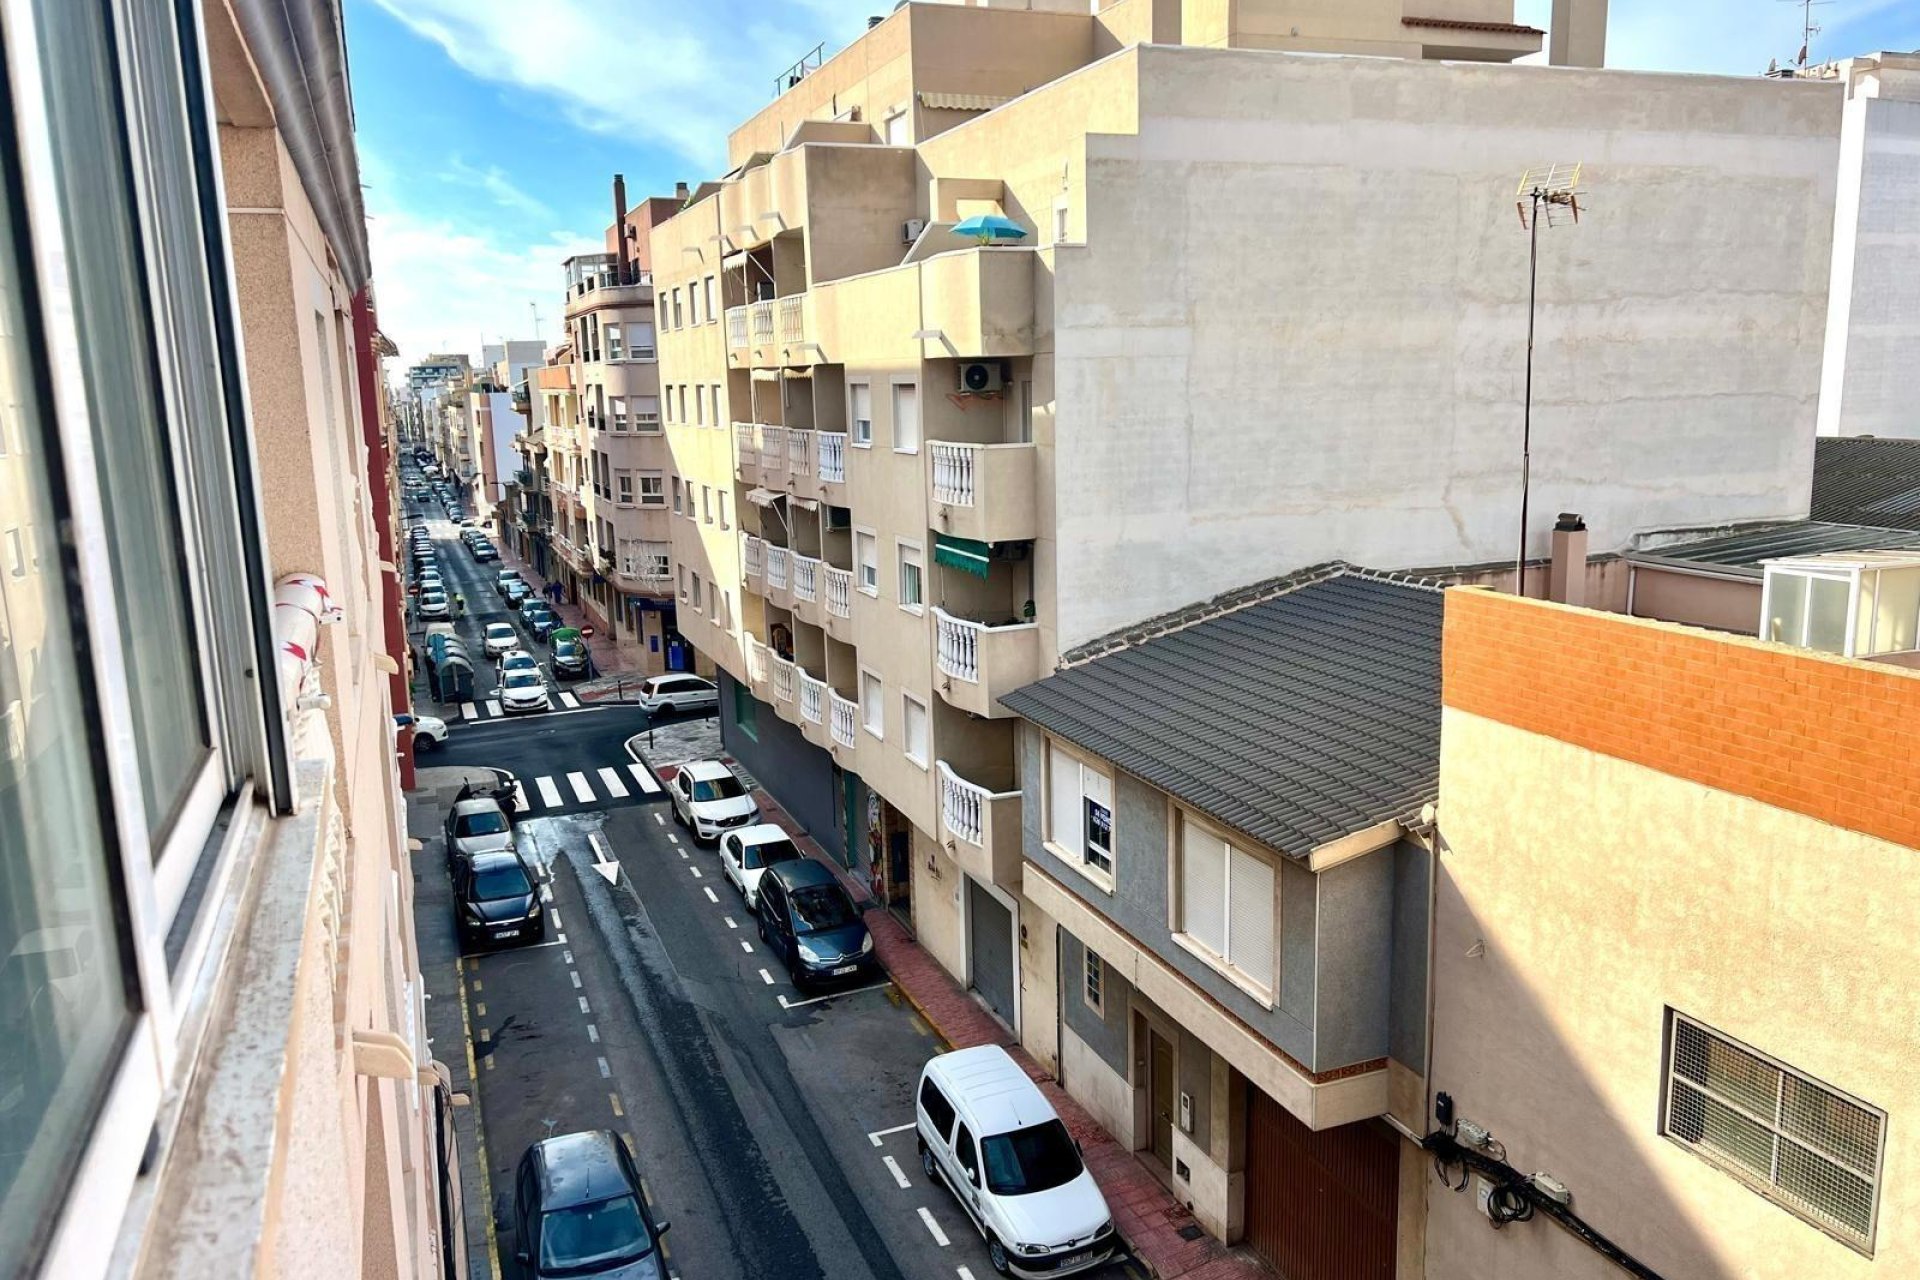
[(672, 839), (576, 979), (746, 946), (965, 1274), (583, 1005), (893, 1167), (939, 1236), (480, 1009), (696, 872), (613, 1100), (606, 1072), (469, 712), (730, 923), (766, 977), (593, 1033), (712, 897), (566, 958)]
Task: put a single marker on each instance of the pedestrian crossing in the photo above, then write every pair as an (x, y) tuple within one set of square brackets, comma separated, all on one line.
[(490, 708), (583, 787)]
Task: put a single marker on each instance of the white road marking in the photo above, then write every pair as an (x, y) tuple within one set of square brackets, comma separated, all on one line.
[(672, 839), (730, 923), (712, 897), (493, 706), (568, 700), (549, 794), (567, 958), (576, 979), (581, 789), (520, 797), (606, 1072), (469, 712), (684, 856), (583, 1005), (611, 780), (746, 946), (939, 1236), (878, 1134), (833, 995), (766, 977), (593, 1033), (660, 819), (893, 1167), (561, 941), (648, 783), (546, 893), (696, 873), (965, 1274), (554, 916)]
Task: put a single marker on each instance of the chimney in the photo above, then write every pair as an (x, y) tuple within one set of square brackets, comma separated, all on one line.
[(680, 192), (1577, 33), (1567, 571), (620, 227), (874, 21)]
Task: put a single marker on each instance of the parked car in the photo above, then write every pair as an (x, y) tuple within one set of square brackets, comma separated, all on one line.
[(569, 658), (579, 1210), (433, 604), (484, 552), (811, 924), (517, 592), (708, 799), (495, 899), (746, 854), (988, 1132), (543, 621), (506, 578), (478, 822), (429, 733), (500, 638), (531, 605), (523, 691), (677, 693), (517, 660)]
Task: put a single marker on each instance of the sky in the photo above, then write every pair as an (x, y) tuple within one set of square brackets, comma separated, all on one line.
[(490, 130)]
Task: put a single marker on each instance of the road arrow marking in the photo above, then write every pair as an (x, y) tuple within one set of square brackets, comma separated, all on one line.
[(603, 860)]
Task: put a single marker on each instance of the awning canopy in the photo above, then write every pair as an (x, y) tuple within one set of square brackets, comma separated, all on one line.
[(963, 554), (805, 504), (962, 101), (762, 497)]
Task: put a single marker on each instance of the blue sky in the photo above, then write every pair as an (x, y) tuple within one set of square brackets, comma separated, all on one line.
[(489, 130)]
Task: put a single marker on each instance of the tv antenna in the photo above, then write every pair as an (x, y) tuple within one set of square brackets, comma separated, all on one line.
[(1548, 194), (1808, 27)]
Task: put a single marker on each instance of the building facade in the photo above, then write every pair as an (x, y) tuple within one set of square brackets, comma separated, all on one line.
[(212, 1055)]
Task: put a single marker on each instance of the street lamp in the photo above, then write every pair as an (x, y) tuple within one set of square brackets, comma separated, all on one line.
[(1549, 194)]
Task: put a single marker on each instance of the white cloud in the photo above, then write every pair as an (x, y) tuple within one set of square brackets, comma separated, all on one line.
[(494, 181), (1736, 37)]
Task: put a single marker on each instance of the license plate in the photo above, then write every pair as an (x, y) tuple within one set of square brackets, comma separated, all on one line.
[(506, 933), (845, 969), (1076, 1259)]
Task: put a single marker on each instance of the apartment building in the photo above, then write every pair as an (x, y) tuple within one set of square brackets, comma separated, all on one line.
[(494, 422), (212, 1055), (1672, 885)]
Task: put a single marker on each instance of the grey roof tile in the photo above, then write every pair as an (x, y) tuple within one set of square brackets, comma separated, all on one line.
[(1297, 711), (1864, 480), (1742, 553)]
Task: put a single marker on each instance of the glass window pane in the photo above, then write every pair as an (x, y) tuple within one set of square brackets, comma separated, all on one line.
[(1827, 614), (111, 304), (1787, 607), (63, 995), (1896, 608)]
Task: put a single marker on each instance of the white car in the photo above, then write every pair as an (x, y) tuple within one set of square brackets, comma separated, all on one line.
[(433, 604), (678, 693), (501, 639), (988, 1132), (709, 800), (746, 853), (429, 733), (517, 660), (524, 691)]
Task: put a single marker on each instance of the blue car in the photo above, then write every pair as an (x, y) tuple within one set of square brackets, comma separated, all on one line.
[(808, 920)]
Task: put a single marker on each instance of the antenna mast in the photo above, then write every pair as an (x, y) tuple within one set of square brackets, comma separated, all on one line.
[(1549, 194)]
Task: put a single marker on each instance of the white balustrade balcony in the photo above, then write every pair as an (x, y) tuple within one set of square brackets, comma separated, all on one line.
[(778, 559), (845, 717), (757, 665), (773, 449), (983, 491), (806, 578), (813, 699), (839, 592), (831, 451), (782, 677), (800, 452), (753, 556), (743, 445), (793, 319), (736, 327), (760, 321), (980, 827), (978, 663)]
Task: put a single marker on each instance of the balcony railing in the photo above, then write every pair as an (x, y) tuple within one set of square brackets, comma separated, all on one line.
[(982, 662), (736, 327), (782, 677), (777, 558), (965, 809), (753, 556), (953, 466), (845, 715), (773, 448), (806, 578), (793, 320), (743, 443), (839, 592), (757, 664), (813, 699), (959, 646), (831, 448), (800, 452), (760, 320)]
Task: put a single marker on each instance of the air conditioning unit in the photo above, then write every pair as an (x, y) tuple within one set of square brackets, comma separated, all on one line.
[(910, 230), (980, 376)]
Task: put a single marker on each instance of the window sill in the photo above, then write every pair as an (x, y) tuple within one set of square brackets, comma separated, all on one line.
[(914, 450), (872, 593), (914, 760), (1250, 988), (1103, 882), (879, 735), (860, 444), (917, 610)]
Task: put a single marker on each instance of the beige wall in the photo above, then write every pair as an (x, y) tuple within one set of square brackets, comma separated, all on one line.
[(1725, 604)]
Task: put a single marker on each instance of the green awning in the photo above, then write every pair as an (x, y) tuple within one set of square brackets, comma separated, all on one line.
[(961, 553)]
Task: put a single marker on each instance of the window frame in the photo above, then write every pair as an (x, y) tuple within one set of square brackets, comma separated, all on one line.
[(909, 699), (873, 538), (1104, 878), (658, 496), (900, 562), (1267, 993), (854, 437), (895, 386), (1093, 989), (873, 711)]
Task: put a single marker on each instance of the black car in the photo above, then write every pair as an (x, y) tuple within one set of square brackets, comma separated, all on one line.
[(579, 1210), (569, 659), (496, 900), (809, 922)]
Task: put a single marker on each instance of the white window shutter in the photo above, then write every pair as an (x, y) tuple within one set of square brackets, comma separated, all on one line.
[(1250, 926), (1203, 888), (1063, 800)]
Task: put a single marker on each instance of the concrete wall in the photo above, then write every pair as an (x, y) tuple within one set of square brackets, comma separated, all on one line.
[(1304, 281), (799, 774), (1724, 604)]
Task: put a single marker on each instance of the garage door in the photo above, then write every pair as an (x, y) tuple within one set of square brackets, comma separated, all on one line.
[(990, 942), (1320, 1206)]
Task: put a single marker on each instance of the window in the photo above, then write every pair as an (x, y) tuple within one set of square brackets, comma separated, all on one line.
[(693, 304), (680, 398), (721, 501), (873, 694), (1079, 812), (614, 350), (898, 128), (939, 1111), (676, 495), (706, 503), (866, 561), (1226, 908), (911, 575), (700, 406), (679, 320), (646, 412), (719, 414), (1093, 980), (1060, 221), (913, 728), (1804, 1145), (906, 418), (1023, 424), (669, 394), (639, 340), (617, 408), (860, 413), (653, 491), (963, 1151), (683, 583), (656, 560), (713, 312), (16, 554), (698, 594), (623, 488)]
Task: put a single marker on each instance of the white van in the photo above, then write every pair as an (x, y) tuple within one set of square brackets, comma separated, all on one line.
[(988, 1132)]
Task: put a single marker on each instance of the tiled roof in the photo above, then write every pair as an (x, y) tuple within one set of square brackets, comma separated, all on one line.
[(1862, 480), (1298, 713), (1742, 553)]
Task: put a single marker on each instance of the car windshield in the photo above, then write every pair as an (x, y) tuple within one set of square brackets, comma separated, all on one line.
[(499, 631), (756, 856), (566, 650), (483, 822), (504, 881), (718, 788), (592, 1236), (1037, 1158), (820, 907), (519, 662), (522, 679)]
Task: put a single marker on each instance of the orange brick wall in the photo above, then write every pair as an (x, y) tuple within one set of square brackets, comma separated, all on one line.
[(1833, 739)]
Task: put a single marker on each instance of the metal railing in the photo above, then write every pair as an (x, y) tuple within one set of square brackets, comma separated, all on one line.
[(839, 592), (800, 452), (813, 699), (773, 448), (736, 326), (782, 677), (743, 444), (953, 471), (831, 450), (777, 558), (753, 556), (806, 578), (844, 716), (964, 806), (793, 319), (760, 320)]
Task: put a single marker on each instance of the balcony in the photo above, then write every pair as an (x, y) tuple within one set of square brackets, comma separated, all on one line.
[(813, 708), (760, 323), (759, 669), (793, 320), (736, 328), (800, 452), (753, 556), (782, 671), (837, 614), (773, 453), (983, 491), (980, 828), (746, 453), (806, 588), (843, 719), (830, 455), (978, 663), (779, 577)]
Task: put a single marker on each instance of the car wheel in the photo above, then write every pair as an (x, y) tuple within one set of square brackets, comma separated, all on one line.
[(426, 744), (927, 1165), (997, 1255)]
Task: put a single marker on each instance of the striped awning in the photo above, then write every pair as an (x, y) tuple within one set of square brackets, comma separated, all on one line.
[(963, 554), (962, 101)]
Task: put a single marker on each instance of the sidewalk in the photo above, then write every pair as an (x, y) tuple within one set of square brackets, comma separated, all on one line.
[(1147, 1216)]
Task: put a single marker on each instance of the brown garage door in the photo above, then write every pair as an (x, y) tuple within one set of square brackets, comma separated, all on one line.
[(1320, 1206)]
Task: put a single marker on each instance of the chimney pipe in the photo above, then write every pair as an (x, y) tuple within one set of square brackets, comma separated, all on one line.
[(620, 227), (680, 192), (1567, 571)]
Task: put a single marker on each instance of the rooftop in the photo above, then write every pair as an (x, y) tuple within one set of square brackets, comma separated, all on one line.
[(1743, 554), (1865, 480), (1298, 711)]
